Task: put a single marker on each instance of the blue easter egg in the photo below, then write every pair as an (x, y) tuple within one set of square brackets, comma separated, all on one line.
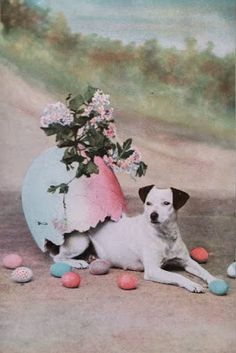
[(58, 269), (218, 287)]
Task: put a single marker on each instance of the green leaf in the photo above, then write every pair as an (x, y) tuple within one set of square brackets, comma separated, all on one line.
[(68, 97), (49, 131), (141, 169), (119, 149), (81, 120), (91, 168), (88, 95), (80, 170), (127, 144), (76, 102), (70, 152), (127, 154), (63, 188), (65, 143), (52, 189), (95, 138), (69, 156)]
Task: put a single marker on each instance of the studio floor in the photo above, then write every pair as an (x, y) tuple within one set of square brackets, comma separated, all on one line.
[(43, 316)]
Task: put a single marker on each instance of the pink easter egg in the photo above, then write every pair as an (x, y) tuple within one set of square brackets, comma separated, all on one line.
[(22, 274), (99, 267), (70, 280), (12, 261), (127, 281)]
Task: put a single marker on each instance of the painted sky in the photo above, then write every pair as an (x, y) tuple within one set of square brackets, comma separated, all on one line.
[(169, 21)]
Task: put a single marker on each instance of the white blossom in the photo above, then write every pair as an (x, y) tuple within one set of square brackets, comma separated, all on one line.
[(56, 113)]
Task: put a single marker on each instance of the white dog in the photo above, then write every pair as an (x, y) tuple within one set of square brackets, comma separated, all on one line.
[(143, 243)]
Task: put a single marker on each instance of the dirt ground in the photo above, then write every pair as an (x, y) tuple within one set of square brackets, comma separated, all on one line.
[(42, 316)]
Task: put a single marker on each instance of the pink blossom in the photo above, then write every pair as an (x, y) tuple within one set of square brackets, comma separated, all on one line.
[(87, 110), (100, 104), (109, 161), (110, 132), (135, 157), (82, 150), (93, 121)]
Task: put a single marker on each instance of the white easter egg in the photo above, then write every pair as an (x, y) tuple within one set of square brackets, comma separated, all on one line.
[(231, 270), (22, 274)]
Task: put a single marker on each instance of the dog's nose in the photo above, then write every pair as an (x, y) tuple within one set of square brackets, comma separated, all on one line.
[(154, 216)]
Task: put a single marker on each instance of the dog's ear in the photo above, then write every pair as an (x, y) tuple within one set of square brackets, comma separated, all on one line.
[(143, 192), (179, 198)]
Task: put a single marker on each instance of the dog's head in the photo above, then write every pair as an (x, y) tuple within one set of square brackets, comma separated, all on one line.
[(160, 205)]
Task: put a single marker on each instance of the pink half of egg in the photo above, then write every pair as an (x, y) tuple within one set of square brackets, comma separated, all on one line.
[(12, 261)]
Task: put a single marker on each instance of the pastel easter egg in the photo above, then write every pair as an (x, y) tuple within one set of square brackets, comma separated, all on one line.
[(93, 199), (231, 270), (199, 254), (218, 287), (58, 269), (99, 267), (12, 261), (22, 274), (127, 281), (70, 280)]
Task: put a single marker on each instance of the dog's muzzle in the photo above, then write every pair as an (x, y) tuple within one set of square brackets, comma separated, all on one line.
[(154, 217)]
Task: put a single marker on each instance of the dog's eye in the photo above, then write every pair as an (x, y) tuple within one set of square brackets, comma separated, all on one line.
[(148, 203), (166, 203)]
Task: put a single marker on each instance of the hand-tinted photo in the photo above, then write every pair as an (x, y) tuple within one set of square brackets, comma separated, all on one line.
[(115, 117)]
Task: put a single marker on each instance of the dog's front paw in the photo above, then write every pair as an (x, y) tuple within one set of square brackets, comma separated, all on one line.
[(195, 287), (80, 264), (211, 278)]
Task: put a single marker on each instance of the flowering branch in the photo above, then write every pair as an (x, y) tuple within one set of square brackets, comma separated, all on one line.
[(86, 128)]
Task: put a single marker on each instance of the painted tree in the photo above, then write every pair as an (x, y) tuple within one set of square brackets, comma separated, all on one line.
[(16, 14), (59, 34)]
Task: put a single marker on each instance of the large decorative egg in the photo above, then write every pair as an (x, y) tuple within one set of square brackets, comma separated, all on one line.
[(89, 200), (22, 274), (99, 267), (12, 261)]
